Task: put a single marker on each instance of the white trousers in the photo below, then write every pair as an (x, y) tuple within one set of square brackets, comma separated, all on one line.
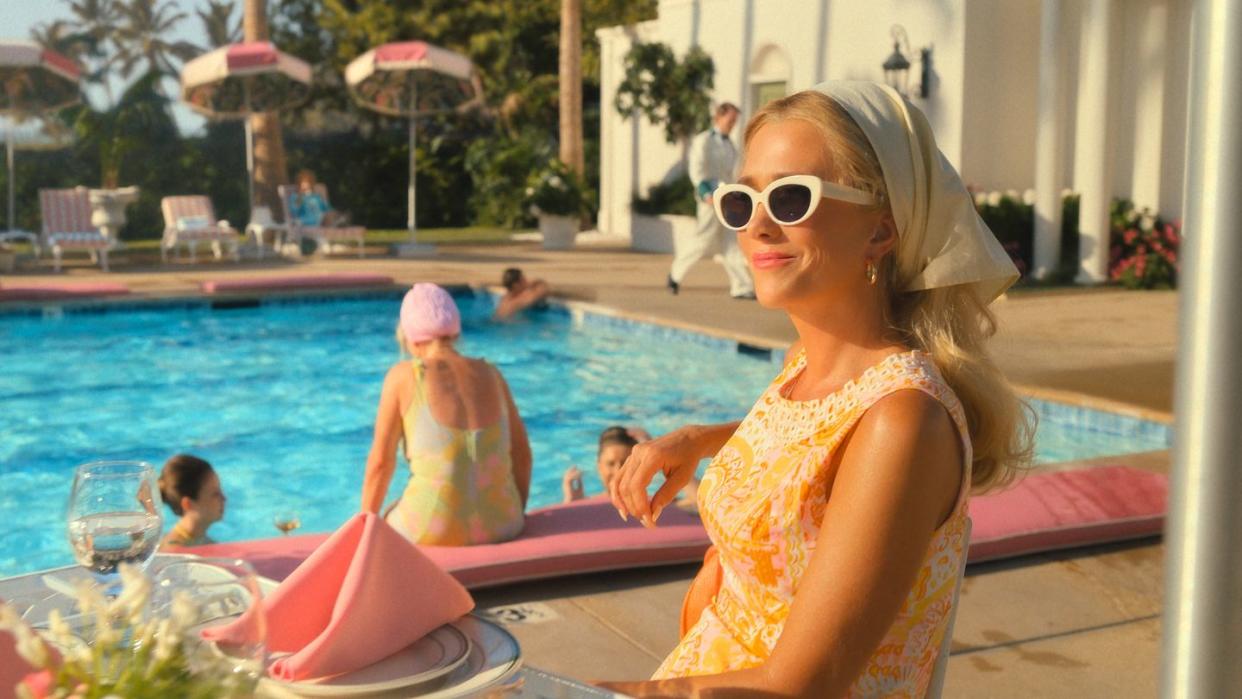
[(707, 235)]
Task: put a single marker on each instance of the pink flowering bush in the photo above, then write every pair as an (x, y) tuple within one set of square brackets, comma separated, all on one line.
[(1144, 248)]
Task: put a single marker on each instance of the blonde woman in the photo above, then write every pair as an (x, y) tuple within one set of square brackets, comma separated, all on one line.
[(470, 460), (837, 507)]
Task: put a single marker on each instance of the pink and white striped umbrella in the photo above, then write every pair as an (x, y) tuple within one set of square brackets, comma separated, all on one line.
[(413, 78), (34, 79), (243, 79), (239, 80)]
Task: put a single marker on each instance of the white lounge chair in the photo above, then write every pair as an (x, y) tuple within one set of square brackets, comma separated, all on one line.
[(66, 215), (261, 224), (190, 220), (324, 235)]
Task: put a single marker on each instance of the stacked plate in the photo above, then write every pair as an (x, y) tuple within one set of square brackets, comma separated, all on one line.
[(456, 660)]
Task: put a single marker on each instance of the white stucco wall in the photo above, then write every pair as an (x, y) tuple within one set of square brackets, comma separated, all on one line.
[(1000, 81), (983, 102)]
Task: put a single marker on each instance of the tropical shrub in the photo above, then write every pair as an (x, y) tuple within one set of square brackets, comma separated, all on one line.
[(1144, 248), (558, 191), (674, 196)]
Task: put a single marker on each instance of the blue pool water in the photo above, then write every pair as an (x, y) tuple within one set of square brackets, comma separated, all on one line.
[(281, 398)]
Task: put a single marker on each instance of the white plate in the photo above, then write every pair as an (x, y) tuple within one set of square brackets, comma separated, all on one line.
[(435, 655), (495, 657)]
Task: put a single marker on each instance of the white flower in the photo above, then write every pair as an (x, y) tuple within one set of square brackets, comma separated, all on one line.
[(62, 635), (981, 199), (135, 591), (1028, 197), (1013, 194), (31, 648), (556, 181), (530, 191), (166, 641), (184, 611), (994, 198), (1147, 221), (9, 618)]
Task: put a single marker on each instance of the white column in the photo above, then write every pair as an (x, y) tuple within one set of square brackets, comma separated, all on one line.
[(1201, 653), (1092, 172), (1048, 178)]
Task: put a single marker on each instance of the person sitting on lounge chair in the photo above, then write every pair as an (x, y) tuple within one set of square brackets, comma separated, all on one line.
[(520, 294), (309, 206)]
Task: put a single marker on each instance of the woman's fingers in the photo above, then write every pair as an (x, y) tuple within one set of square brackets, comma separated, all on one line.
[(668, 492)]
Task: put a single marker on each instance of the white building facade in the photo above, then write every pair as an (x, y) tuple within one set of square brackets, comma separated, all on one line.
[(1088, 95)]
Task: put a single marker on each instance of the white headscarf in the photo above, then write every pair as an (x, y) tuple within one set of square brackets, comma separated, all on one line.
[(941, 239)]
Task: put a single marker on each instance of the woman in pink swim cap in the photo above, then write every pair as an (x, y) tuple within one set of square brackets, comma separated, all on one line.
[(469, 456)]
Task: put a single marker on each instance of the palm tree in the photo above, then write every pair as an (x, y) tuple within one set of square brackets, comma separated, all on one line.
[(270, 169), (96, 20), (217, 22), (140, 38), (571, 85)]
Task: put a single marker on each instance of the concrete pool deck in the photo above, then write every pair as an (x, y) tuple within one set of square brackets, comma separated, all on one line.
[(1084, 622)]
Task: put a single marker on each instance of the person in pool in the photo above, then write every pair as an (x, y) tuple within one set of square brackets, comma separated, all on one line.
[(470, 460), (615, 445), (520, 294), (191, 489)]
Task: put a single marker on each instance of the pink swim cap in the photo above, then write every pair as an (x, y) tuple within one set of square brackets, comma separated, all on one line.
[(428, 312)]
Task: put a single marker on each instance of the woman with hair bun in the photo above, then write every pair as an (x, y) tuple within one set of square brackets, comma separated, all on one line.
[(191, 489)]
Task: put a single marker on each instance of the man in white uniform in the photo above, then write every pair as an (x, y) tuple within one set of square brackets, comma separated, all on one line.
[(712, 161)]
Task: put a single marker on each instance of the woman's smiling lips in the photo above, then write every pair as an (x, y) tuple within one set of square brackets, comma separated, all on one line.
[(768, 260)]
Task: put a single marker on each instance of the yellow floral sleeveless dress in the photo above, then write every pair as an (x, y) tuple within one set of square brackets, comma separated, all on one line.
[(762, 501), (461, 489)]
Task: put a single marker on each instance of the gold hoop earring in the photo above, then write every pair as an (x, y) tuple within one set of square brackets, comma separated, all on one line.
[(871, 273)]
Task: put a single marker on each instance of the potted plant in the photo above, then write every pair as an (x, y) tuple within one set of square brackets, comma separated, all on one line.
[(558, 197)]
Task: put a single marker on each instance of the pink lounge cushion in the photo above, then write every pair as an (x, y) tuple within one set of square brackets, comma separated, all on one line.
[(66, 290), (1043, 512), (579, 537), (1063, 509), (296, 281)]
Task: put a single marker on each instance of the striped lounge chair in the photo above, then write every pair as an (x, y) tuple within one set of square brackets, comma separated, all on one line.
[(190, 220), (67, 225), (324, 235)]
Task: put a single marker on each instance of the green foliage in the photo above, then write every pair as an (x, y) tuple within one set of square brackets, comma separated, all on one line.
[(666, 90), (558, 191), (675, 196), (1144, 248), (499, 166), (142, 114), (1011, 217)]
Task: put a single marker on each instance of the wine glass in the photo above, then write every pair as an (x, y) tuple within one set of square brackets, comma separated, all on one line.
[(287, 521), (113, 517), (217, 606)]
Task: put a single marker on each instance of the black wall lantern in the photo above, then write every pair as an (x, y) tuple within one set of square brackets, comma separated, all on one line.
[(897, 66)]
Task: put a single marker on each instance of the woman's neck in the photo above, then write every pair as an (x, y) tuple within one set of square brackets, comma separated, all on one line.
[(192, 526), (839, 346)]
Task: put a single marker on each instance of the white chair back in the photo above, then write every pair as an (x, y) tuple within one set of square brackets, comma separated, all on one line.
[(936, 686)]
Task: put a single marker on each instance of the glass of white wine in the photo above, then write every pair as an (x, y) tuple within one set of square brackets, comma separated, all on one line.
[(113, 517), (286, 522)]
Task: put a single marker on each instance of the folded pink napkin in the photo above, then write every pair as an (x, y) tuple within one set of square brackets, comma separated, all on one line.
[(364, 594)]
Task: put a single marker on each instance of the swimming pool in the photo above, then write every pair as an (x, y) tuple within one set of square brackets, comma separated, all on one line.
[(281, 397)]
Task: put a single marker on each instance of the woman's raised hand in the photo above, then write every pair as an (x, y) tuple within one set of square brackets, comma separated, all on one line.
[(676, 455)]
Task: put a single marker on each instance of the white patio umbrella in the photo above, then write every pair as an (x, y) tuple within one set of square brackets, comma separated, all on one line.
[(412, 79), (240, 80), (33, 81)]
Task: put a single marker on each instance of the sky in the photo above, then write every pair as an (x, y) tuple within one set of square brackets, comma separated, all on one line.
[(18, 17)]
